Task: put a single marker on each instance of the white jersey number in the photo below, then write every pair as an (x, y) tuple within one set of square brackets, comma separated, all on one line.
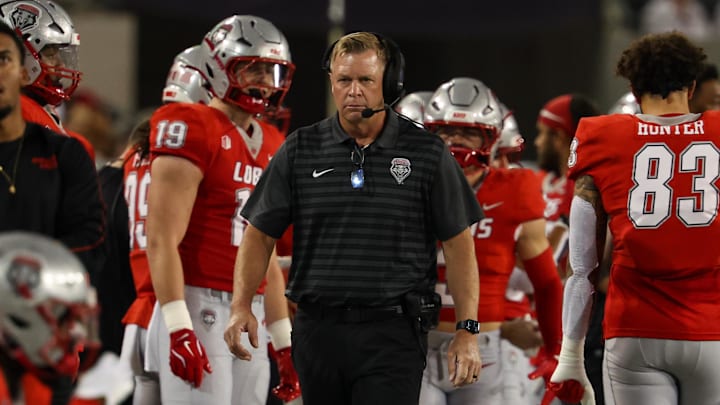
[(238, 222), (171, 134), (650, 199), (136, 196)]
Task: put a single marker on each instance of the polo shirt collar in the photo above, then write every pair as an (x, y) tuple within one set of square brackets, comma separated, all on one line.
[(387, 138)]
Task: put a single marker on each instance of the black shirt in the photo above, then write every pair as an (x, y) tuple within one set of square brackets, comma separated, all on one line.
[(57, 192), (368, 245)]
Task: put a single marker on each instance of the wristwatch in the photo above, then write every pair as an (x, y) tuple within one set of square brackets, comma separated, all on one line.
[(469, 325)]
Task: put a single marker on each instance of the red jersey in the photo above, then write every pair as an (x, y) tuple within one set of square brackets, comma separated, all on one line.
[(509, 197), (137, 183), (34, 112), (658, 181), (231, 162), (558, 194)]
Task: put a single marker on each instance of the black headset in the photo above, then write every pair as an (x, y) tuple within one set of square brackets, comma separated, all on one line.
[(394, 75)]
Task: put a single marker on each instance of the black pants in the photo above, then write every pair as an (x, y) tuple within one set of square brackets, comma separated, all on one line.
[(357, 361)]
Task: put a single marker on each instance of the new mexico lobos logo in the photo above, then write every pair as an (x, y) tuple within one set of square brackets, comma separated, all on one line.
[(25, 17)]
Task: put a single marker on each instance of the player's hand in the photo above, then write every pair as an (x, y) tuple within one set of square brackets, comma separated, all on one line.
[(188, 359), (241, 320), (569, 383), (522, 333), (289, 387), (544, 367), (464, 361)]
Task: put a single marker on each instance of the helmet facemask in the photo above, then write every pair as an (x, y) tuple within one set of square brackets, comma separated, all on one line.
[(257, 84), (59, 75), (475, 142)]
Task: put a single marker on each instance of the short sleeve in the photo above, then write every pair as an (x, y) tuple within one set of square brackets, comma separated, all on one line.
[(178, 129), (531, 204), (269, 207), (582, 151), (453, 203)]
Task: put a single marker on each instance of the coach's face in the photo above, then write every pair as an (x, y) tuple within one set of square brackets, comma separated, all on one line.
[(356, 83)]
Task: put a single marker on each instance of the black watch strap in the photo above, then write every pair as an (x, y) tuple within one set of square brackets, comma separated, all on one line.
[(469, 325)]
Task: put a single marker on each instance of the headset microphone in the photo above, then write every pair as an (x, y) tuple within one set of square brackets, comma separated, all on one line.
[(369, 112)]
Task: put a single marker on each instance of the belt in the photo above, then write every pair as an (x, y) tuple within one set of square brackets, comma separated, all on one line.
[(351, 314)]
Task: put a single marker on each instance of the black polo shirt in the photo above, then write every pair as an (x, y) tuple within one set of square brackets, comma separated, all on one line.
[(368, 245), (57, 192)]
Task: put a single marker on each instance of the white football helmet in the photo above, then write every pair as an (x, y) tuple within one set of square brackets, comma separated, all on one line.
[(242, 47), (185, 83), (413, 105), (511, 143), (627, 104), (466, 102), (45, 303), (46, 28)]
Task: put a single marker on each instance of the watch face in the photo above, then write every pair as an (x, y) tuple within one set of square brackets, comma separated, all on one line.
[(469, 325)]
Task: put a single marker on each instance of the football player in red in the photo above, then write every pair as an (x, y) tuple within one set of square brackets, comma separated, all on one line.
[(206, 160), (46, 304), (185, 84), (51, 61), (556, 124), (654, 178), (465, 113)]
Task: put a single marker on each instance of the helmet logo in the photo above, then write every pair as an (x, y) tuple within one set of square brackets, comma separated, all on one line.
[(400, 169), (220, 34), (25, 17), (275, 51), (24, 275), (208, 317), (459, 114)]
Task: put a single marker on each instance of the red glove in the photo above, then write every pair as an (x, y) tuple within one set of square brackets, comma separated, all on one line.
[(187, 357), (289, 387), (545, 367)]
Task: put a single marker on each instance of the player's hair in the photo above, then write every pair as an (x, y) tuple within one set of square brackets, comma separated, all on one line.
[(140, 138), (7, 30), (661, 63), (707, 73), (581, 106)]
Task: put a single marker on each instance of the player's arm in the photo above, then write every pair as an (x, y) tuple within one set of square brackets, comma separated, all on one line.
[(171, 198), (588, 222), (279, 328), (464, 286), (536, 254)]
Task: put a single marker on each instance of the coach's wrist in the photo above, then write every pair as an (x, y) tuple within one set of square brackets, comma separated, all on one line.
[(176, 316)]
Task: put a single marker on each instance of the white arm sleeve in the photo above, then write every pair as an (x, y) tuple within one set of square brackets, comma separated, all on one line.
[(577, 298)]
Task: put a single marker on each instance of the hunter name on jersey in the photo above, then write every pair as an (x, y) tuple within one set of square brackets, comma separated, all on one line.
[(690, 128)]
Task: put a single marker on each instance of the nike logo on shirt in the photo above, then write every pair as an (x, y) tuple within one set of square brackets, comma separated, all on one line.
[(317, 174), (488, 207)]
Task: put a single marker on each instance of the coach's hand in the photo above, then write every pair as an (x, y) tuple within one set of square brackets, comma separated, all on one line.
[(241, 320), (188, 359), (464, 362)]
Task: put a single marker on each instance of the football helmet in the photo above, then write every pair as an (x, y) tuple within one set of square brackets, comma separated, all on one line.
[(247, 62), (52, 44), (413, 105), (466, 102), (185, 83), (45, 303), (627, 104), (511, 143)]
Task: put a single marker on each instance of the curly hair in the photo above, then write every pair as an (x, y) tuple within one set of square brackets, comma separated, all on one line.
[(660, 64)]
